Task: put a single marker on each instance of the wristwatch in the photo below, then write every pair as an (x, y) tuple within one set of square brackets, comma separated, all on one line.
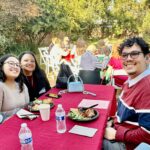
[(1, 118)]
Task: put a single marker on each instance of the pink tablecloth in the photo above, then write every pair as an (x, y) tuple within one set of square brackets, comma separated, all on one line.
[(45, 136)]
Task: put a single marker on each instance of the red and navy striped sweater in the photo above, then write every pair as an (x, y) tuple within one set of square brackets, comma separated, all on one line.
[(133, 113)]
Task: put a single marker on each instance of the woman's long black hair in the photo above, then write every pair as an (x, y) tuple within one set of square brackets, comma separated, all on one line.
[(3, 77)]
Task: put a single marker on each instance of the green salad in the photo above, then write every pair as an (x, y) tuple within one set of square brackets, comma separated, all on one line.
[(76, 115)]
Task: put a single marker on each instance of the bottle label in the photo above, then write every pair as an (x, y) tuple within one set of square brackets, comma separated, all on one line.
[(60, 118), (26, 141)]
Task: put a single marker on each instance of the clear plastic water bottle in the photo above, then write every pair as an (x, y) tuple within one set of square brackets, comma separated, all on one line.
[(25, 137), (60, 119)]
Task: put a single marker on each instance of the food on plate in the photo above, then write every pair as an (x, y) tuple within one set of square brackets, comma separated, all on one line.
[(53, 95), (34, 106), (76, 113), (88, 113), (47, 101), (37, 101)]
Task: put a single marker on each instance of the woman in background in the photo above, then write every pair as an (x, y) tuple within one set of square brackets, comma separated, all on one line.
[(13, 92), (115, 64), (89, 61), (34, 78), (53, 41), (115, 60), (90, 66), (57, 53)]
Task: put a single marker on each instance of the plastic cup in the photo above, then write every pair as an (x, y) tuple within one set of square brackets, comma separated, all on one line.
[(44, 111)]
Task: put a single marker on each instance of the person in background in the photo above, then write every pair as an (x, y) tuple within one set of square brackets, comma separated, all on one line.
[(115, 60), (57, 53), (13, 92), (101, 50), (89, 61), (115, 64), (66, 43), (105, 73), (100, 45), (81, 46), (131, 125), (70, 58), (107, 56), (34, 77), (52, 44), (90, 67)]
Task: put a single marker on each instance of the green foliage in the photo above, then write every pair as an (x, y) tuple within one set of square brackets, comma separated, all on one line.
[(145, 30), (4, 43), (26, 24), (13, 15), (128, 16)]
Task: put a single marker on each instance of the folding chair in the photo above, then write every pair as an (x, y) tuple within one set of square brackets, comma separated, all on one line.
[(90, 76), (46, 60), (43, 52)]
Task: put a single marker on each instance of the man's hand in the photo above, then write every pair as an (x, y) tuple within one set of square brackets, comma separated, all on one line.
[(110, 133), (110, 123)]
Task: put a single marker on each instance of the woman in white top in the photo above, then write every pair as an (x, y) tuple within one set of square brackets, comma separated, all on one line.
[(13, 92), (57, 53)]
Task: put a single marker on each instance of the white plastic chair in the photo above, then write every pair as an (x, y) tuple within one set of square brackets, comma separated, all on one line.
[(43, 53), (46, 60)]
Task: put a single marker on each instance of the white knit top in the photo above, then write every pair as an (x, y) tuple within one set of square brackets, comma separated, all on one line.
[(12, 99)]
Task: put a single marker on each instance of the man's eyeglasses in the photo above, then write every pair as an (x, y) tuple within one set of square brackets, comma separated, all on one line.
[(133, 55), (12, 64)]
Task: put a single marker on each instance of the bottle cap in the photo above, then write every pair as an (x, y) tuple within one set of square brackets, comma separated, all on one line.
[(23, 125), (59, 105)]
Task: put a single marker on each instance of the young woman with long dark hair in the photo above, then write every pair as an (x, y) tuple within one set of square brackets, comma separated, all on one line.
[(34, 77), (13, 92)]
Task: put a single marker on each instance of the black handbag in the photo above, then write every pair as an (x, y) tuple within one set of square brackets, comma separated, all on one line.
[(63, 75)]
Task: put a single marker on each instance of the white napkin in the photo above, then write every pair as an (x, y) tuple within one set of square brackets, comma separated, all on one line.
[(81, 130), (22, 112), (102, 104)]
